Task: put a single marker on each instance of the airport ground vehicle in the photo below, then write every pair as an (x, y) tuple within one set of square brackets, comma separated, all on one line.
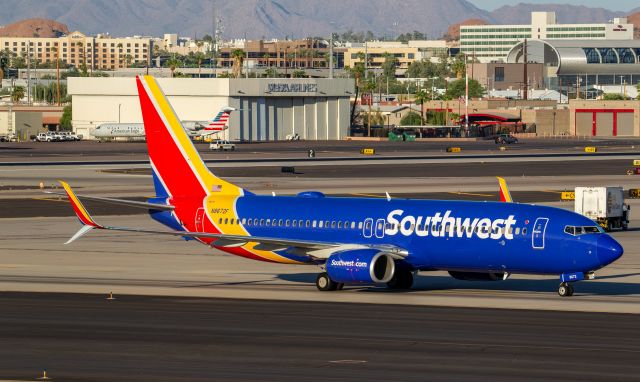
[(353, 240), (7, 138), (506, 138), (604, 205), (69, 136), (48, 137), (292, 137), (222, 145)]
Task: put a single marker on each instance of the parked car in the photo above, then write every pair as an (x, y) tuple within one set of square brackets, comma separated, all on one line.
[(8, 138), (45, 137), (506, 138), (221, 145)]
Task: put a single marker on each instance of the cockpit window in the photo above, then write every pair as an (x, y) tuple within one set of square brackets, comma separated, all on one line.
[(582, 230)]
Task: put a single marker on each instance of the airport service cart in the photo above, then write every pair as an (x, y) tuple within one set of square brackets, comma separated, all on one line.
[(605, 205)]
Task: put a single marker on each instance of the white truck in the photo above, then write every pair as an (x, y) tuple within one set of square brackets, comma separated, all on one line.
[(221, 145), (605, 205)]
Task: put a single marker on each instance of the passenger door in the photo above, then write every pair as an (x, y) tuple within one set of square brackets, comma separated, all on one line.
[(537, 237)]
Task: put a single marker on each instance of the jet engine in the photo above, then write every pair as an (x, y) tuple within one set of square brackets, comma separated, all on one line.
[(360, 266)]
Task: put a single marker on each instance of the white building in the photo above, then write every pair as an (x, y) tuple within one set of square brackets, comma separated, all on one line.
[(493, 42), (267, 109)]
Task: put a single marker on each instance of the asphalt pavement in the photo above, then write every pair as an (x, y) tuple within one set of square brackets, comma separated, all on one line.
[(139, 338)]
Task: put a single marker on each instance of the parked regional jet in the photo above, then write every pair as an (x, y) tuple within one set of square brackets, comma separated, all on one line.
[(136, 130), (354, 240)]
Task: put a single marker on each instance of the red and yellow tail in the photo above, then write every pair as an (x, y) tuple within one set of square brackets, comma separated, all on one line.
[(505, 195), (173, 157)]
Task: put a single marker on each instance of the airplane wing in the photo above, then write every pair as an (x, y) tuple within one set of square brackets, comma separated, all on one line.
[(313, 249), (505, 195)]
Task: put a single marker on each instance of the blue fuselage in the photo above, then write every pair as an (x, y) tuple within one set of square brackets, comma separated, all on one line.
[(446, 235)]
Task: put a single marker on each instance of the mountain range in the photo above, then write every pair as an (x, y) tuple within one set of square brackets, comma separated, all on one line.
[(283, 18)]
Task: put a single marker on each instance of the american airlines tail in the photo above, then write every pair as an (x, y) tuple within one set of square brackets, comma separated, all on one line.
[(179, 172)]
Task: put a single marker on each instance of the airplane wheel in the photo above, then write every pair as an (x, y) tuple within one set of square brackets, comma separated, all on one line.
[(324, 283), (402, 279), (565, 290)]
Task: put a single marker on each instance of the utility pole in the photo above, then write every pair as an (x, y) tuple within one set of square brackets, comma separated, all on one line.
[(29, 72), (331, 56), (466, 96), (58, 74), (525, 93)]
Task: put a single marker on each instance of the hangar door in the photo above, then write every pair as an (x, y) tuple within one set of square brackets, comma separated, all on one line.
[(604, 122)]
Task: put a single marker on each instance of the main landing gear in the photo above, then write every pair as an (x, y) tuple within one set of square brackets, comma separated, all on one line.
[(402, 279)]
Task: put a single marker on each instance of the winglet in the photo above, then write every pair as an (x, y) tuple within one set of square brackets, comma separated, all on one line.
[(505, 195), (81, 212)]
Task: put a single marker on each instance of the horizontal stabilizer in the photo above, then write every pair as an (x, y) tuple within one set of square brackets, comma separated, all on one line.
[(123, 202)]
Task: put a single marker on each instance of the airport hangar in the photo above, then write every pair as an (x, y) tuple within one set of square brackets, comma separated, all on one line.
[(268, 109)]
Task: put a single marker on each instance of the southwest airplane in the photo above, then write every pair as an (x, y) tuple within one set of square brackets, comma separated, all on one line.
[(354, 240), (136, 130)]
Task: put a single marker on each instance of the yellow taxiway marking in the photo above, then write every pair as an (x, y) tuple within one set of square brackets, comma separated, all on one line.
[(552, 191), (468, 193), (370, 195)]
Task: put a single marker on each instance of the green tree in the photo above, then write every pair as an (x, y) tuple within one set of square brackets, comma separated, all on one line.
[(457, 89), (411, 119), (614, 97), (458, 66), (65, 120), (389, 66), (420, 98), (17, 94), (299, 74), (238, 56)]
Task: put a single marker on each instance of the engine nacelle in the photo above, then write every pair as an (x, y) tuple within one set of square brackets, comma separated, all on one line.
[(477, 276), (360, 266)]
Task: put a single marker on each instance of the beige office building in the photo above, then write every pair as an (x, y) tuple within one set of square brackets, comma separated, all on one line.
[(77, 49)]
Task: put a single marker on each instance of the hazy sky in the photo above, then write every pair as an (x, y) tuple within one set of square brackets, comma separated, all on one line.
[(617, 5)]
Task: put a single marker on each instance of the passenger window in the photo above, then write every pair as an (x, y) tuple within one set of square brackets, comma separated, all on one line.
[(314, 223), (517, 230), (359, 225), (280, 222), (320, 224), (333, 224), (295, 223), (244, 220), (255, 221), (326, 224), (249, 222), (353, 225), (226, 220), (287, 222), (339, 224), (308, 223), (268, 222), (220, 221), (524, 230), (261, 222)]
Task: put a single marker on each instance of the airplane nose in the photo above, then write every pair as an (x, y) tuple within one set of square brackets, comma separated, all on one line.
[(609, 250)]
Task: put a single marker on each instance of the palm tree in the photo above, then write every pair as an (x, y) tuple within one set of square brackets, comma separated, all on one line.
[(17, 94), (238, 58), (173, 63), (266, 59), (199, 56), (420, 98), (128, 58)]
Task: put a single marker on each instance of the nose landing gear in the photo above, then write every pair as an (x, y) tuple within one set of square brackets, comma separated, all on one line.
[(565, 290)]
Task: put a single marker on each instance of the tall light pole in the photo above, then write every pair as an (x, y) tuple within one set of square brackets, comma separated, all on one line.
[(119, 112)]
